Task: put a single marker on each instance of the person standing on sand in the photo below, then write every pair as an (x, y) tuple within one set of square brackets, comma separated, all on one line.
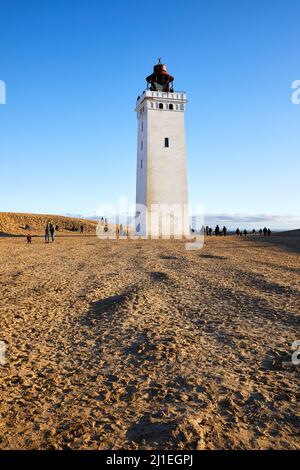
[(47, 234), (245, 232), (237, 232), (224, 231), (217, 230), (260, 231), (269, 232), (265, 231), (28, 238), (52, 231), (81, 228)]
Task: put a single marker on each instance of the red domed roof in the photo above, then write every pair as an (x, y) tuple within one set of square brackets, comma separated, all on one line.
[(160, 79)]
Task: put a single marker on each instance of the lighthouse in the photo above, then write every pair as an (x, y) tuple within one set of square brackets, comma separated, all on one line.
[(161, 180)]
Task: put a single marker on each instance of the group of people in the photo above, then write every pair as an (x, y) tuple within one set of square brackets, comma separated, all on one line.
[(74, 228), (218, 231), (121, 231), (266, 231), (49, 231)]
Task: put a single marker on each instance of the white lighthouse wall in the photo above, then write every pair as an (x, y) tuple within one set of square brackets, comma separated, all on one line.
[(166, 166), (161, 169), (141, 174)]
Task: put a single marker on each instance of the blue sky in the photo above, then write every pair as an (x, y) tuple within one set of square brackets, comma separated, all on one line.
[(73, 70)]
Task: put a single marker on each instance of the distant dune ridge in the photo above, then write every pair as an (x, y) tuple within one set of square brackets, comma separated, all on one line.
[(15, 223), (290, 233)]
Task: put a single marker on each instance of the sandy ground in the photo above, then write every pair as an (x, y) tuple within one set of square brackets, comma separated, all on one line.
[(137, 344)]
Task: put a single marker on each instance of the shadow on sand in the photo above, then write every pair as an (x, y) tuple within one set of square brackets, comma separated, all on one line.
[(11, 235), (289, 242)]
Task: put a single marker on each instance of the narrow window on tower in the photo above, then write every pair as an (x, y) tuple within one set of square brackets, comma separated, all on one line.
[(141, 163), (141, 145), (166, 141), (142, 126)]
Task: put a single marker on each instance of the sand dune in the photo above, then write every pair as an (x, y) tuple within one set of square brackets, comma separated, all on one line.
[(290, 233), (140, 344), (12, 223)]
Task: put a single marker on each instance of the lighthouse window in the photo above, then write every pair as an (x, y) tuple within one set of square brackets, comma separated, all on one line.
[(161, 106), (171, 106), (141, 145), (141, 163), (142, 126), (166, 141)]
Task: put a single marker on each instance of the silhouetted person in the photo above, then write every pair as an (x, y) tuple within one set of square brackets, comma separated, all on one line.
[(56, 228), (81, 228), (265, 230), (217, 230), (245, 232), (47, 234), (224, 231), (253, 231), (210, 231), (52, 232), (28, 238), (207, 229), (269, 232), (237, 231), (260, 231)]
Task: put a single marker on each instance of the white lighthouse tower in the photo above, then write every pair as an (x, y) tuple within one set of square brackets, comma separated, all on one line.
[(161, 161)]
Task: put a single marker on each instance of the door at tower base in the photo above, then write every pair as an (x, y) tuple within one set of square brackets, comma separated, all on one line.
[(161, 186)]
